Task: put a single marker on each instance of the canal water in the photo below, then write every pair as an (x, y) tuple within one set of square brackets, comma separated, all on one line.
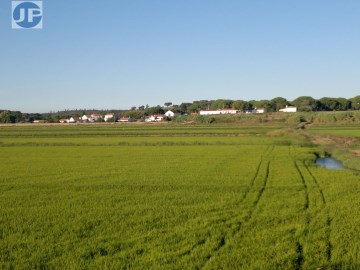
[(329, 163)]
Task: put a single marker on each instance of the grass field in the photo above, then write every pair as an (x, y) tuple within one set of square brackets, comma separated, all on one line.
[(350, 130), (172, 197)]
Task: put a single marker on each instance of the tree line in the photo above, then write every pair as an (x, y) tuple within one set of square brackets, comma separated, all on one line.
[(303, 103)]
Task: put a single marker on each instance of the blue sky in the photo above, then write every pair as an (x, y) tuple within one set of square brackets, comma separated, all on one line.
[(117, 54)]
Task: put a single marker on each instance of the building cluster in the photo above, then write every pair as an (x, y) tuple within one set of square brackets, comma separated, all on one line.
[(110, 117), (230, 111), (91, 118), (233, 111), (159, 117)]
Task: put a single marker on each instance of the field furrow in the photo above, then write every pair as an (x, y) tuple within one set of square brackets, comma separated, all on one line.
[(316, 220), (306, 192), (322, 209)]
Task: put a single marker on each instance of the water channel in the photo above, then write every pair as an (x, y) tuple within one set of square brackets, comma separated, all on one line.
[(329, 163)]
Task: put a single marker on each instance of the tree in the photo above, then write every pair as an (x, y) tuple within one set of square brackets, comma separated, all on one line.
[(195, 107), (168, 104), (242, 105), (51, 119), (221, 104), (266, 104), (203, 104), (355, 103), (330, 104), (6, 117), (154, 110), (278, 103), (18, 116), (183, 108), (307, 104), (344, 104), (133, 115)]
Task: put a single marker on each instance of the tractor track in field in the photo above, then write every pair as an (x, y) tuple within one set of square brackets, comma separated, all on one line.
[(256, 202), (328, 219), (233, 223), (316, 183), (237, 228), (245, 195), (307, 200), (298, 264), (300, 259), (269, 150), (251, 185)]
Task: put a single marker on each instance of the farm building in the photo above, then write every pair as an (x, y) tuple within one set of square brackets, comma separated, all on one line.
[(259, 110), (223, 111), (155, 118), (256, 110), (74, 120), (289, 109), (87, 118), (108, 116), (123, 120), (169, 114)]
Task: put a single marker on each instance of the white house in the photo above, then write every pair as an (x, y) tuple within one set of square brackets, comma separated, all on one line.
[(169, 114), (222, 111), (87, 118), (208, 112), (260, 110), (250, 111), (96, 116), (71, 120), (123, 120), (155, 118), (108, 116), (289, 109)]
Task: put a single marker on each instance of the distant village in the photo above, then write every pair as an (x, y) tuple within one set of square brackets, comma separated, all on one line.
[(178, 113), (111, 117)]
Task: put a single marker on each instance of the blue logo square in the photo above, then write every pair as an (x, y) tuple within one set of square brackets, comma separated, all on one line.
[(27, 15)]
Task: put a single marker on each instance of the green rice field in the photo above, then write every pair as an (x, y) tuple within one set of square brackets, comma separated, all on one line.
[(172, 197), (350, 130)]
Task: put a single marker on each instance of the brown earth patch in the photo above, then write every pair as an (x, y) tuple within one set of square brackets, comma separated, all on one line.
[(341, 141)]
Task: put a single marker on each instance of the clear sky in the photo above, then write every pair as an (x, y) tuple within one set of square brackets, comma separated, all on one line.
[(117, 54)]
